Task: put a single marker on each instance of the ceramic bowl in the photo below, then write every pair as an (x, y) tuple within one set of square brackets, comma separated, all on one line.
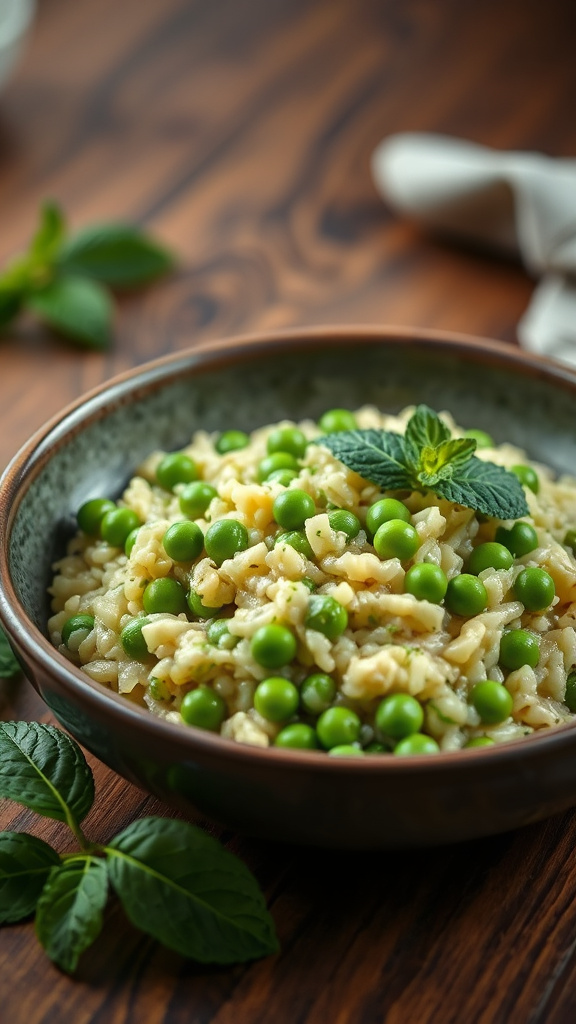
[(92, 448), (15, 20)]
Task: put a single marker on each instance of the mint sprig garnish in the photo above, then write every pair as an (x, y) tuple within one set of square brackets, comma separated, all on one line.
[(175, 883), (65, 279), (428, 458)]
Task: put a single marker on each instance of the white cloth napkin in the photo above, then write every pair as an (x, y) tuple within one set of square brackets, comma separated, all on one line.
[(521, 203)]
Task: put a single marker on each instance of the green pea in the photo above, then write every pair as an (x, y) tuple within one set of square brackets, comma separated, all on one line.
[(276, 699), (326, 615), (338, 726), (344, 522), (195, 497), (335, 420), (519, 647), (570, 695), (492, 701), (483, 440), (345, 750), (399, 715), (270, 463), (297, 737), (158, 689), (570, 540), (224, 539), (131, 638), (427, 582), (287, 439), (534, 587), (218, 634), (466, 595), (383, 511), (490, 555), (203, 708), (396, 539), (520, 539), (273, 646), (183, 542), (91, 513), (528, 477), (130, 541), (78, 626), (164, 595), (198, 608), (298, 540), (117, 524), (176, 468), (292, 508), (417, 743), (284, 477), (231, 441), (317, 693), (479, 741)]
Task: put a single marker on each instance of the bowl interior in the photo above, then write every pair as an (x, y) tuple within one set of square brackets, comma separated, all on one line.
[(94, 449)]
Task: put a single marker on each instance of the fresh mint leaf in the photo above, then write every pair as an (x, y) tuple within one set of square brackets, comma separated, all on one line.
[(49, 235), (376, 455), (115, 254), (424, 429), (486, 488), (10, 305), (9, 664), (76, 307), (69, 911), (44, 769), (25, 863), (180, 886), (444, 461)]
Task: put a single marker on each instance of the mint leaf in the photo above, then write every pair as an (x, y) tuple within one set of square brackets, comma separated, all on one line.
[(376, 455), (10, 305), (424, 429), (115, 254), (49, 235), (69, 912), (180, 886), (444, 461), (486, 488), (9, 664), (76, 307), (25, 863), (44, 769)]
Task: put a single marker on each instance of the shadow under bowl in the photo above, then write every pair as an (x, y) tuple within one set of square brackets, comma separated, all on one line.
[(93, 447)]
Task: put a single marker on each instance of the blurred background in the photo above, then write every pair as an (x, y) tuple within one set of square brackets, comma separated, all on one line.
[(240, 133)]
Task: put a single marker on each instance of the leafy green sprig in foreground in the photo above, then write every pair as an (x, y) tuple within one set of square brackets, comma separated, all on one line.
[(65, 279), (174, 882), (428, 458)]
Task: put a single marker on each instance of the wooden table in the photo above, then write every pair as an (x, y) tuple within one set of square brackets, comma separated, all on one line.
[(240, 132)]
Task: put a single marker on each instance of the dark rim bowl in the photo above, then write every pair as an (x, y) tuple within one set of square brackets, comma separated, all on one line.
[(94, 445)]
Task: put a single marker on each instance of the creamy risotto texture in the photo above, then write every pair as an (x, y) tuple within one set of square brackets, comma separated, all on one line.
[(256, 586)]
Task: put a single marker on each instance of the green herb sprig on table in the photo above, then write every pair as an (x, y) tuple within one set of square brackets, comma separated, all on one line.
[(175, 883), (428, 458), (66, 279), (9, 664)]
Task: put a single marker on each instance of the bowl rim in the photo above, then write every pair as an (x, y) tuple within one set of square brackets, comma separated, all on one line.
[(98, 700)]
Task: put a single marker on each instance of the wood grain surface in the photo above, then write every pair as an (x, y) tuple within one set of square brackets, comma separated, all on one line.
[(240, 132)]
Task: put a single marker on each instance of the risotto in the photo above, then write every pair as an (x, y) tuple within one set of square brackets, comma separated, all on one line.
[(256, 586)]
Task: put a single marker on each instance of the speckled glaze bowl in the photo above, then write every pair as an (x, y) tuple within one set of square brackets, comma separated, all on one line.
[(92, 448)]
